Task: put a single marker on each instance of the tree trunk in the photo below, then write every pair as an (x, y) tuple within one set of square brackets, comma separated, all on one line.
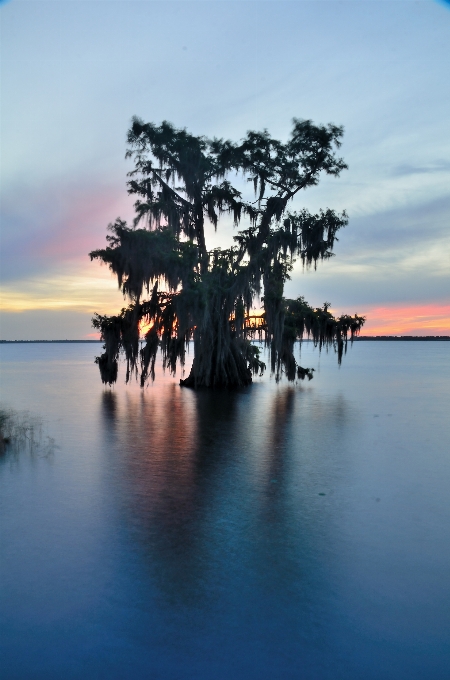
[(223, 366)]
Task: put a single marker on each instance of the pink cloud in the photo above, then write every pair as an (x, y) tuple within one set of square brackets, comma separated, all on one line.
[(80, 225), (424, 319), (42, 228)]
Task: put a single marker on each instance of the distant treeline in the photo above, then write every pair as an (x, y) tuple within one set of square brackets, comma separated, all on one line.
[(4, 342), (402, 337), (357, 339)]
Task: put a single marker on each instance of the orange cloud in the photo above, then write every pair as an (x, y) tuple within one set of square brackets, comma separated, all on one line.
[(428, 319)]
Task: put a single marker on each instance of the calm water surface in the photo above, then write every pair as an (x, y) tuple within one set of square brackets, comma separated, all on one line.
[(280, 532)]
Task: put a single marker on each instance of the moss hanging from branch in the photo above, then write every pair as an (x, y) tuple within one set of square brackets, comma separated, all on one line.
[(183, 182)]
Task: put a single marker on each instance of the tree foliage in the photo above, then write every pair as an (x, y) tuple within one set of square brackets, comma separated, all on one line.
[(184, 292)]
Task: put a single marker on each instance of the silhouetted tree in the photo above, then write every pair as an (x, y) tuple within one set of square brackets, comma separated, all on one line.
[(182, 181)]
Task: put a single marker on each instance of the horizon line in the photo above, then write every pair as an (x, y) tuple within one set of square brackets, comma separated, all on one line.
[(356, 339)]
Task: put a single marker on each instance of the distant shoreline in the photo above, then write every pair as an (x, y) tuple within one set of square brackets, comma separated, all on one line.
[(30, 342), (364, 338), (402, 337)]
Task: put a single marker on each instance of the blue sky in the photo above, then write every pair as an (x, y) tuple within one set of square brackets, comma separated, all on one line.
[(74, 72)]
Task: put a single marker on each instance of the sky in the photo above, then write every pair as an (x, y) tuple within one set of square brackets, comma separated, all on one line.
[(74, 72)]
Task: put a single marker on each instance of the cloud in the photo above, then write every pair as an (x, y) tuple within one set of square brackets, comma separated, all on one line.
[(89, 289), (47, 227), (432, 319), (409, 240), (398, 256), (395, 256), (406, 169)]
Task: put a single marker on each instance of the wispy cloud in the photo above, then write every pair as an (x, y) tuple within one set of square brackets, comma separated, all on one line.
[(400, 256), (433, 168)]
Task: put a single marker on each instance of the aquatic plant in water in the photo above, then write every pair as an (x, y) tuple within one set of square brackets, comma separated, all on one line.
[(181, 182), (21, 431)]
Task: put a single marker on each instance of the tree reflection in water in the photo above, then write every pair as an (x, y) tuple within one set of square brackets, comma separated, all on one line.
[(212, 485)]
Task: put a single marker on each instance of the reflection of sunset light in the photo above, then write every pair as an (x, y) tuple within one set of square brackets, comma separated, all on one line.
[(161, 450), (431, 319)]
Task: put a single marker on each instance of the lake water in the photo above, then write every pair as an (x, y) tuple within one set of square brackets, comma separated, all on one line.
[(292, 532)]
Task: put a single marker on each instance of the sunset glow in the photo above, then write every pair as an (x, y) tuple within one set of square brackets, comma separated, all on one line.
[(431, 319)]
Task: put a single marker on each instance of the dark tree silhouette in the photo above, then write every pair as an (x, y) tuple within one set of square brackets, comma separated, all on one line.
[(182, 181)]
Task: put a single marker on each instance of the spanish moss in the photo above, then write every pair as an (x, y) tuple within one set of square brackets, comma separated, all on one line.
[(182, 292)]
